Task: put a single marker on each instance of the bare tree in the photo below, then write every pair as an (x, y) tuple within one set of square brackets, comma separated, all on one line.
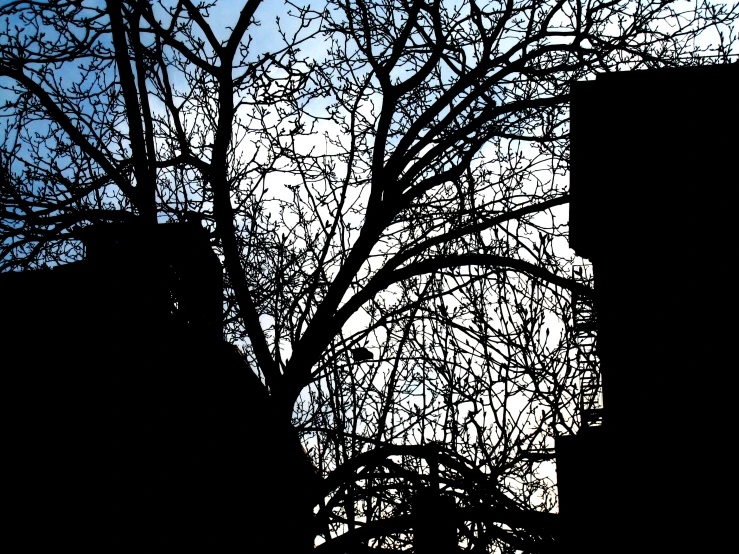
[(386, 186)]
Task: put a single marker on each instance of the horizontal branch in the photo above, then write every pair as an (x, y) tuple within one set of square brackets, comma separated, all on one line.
[(487, 260), (382, 281)]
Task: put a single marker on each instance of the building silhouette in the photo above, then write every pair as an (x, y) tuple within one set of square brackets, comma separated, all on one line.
[(130, 425), (653, 206)]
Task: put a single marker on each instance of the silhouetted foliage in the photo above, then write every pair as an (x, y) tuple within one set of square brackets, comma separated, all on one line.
[(385, 184)]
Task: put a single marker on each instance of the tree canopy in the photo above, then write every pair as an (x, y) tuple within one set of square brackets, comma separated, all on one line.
[(385, 184)]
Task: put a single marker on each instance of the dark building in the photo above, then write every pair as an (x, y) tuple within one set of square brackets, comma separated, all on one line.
[(653, 206), (130, 425)]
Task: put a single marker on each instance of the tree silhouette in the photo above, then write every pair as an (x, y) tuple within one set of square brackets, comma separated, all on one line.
[(385, 185)]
